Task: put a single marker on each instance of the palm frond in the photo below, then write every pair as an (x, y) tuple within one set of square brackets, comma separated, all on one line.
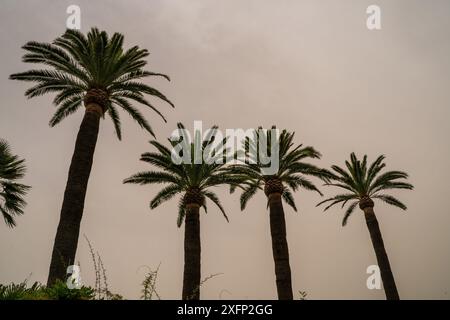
[(247, 194), (390, 200), (77, 63), (149, 177), (288, 198)]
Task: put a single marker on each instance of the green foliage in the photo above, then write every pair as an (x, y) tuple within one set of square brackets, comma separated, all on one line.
[(59, 291), (12, 169), (183, 177), (362, 181), (79, 63), (292, 170)]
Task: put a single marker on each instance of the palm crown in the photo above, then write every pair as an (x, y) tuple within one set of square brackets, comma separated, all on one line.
[(93, 68), (364, 183), (291, 172), (191, 180), (11, 193)]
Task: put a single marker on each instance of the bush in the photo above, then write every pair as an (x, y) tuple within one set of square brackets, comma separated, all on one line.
[(59, 291)]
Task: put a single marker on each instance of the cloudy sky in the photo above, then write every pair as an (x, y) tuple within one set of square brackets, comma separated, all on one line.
[(308, 66)]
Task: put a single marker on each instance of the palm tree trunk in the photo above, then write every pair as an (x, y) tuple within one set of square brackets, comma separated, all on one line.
[(192, 252), (66, 240), (280, 247), (387, 277)]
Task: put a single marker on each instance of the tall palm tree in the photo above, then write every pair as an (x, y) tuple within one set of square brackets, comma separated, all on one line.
[(11, 193), (193, 182), (96, 71), (364, 184), (289, 177)]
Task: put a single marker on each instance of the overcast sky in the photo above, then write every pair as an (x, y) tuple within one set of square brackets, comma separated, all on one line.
[(311, 67)]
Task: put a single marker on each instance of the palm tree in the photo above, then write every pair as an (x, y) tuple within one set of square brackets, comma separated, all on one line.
[(289, 177), (364, 184), (95, 71), (11, 193), (193, 182)]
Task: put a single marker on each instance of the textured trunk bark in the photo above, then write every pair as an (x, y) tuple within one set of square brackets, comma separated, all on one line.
[(387, 277), (192, 252), (280, 248), (66, 240)]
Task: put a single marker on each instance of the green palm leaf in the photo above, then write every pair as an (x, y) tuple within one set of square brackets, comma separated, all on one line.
[(364, 181), (12, 193)]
